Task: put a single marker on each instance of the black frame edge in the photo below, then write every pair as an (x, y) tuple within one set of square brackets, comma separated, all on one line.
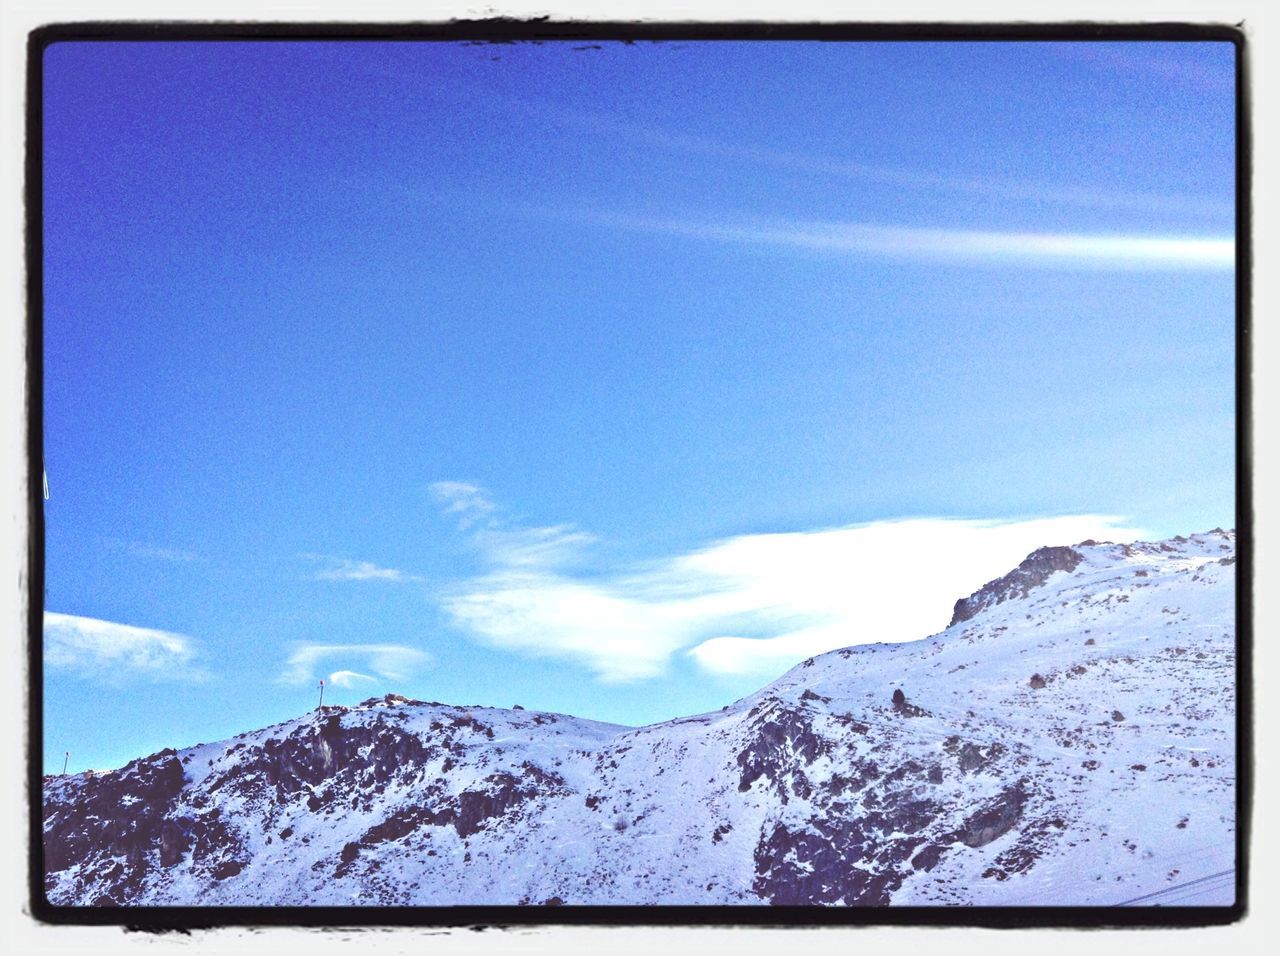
[(33, 193)]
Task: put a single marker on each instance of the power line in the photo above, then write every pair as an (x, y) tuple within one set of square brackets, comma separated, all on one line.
[(1177, 886)]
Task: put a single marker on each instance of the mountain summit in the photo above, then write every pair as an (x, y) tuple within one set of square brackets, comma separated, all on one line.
[(1069, 739)]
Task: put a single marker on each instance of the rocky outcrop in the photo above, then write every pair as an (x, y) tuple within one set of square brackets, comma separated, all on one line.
[(784, 744), (995, 819), (904, 707), (117, 826), (1033, 572), (137, 822)]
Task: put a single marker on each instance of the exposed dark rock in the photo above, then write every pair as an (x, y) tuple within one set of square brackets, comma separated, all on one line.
[(901, 706), (502, 794), (175, 840), (1117, 716), (410, 819), (827, 860), (214, 845), (806, 867), (1030, 574), (227, 869), (1037, 682), (785, 743), (866, 772), (1035, 839), (929, 857), (995, 819), (970, 758), (325, 752), (121, 814), (908, 768)]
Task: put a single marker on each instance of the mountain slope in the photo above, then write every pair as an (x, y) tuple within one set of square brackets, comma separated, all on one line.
[(1067, 740)]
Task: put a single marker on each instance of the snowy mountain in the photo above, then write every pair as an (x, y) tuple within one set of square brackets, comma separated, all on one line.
[(1069, 739)]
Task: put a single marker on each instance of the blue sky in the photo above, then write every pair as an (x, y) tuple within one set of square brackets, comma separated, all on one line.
[(608, 381)]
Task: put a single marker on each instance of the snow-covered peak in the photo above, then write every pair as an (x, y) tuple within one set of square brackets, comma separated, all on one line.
[(1069, 741)]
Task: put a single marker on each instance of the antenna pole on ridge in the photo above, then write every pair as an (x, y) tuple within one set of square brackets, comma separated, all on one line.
[(321, 704), (66, 756)]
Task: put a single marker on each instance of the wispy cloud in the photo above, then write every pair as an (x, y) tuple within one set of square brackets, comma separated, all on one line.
[(109, 651), (534, 548), (344, 569), (350, 679), (752, 603), (977, 247), (469, 502), (385, 662), (850, 169)]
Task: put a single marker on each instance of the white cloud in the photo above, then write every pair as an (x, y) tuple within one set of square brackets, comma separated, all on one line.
[(344, 569), (615, 634), (542, 547), (469, 502), (533, 547), (117, 652), (386, 662), (1104, 250), (349, 678), (753, 603)]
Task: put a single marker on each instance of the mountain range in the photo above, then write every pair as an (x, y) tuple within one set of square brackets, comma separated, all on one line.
[(1068, 739)]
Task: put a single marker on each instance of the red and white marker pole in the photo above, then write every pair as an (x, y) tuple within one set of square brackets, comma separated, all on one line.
[(321, 704)]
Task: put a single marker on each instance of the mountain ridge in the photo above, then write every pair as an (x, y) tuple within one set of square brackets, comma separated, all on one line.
[(975, 765)]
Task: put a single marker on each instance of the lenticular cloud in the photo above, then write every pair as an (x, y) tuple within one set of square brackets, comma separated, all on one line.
[(748, 604)]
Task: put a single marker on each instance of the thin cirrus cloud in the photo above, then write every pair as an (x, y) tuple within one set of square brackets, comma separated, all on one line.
[(751, 604), (106, 650), (344, 569), (384, 663), (964, 246), (992, 187), (469, 502)]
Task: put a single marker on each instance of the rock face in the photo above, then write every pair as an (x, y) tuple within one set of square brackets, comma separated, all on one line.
[(814, 791), (1018, 583)]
